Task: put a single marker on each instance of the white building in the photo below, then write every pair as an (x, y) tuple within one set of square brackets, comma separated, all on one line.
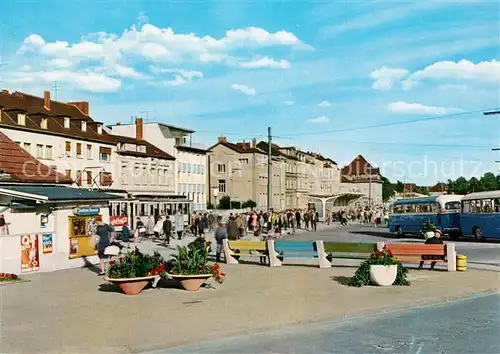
[(190, 178), (64, 137)]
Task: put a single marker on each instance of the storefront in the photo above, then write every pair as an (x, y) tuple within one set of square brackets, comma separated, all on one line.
[(49, 228)]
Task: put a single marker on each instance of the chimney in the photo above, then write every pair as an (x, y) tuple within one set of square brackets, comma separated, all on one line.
[(46, 100), (5, 92), (139, 129), (254, 143), (82, 106), (222, 139)]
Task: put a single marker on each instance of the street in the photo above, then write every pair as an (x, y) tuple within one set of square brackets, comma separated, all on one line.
[(465, 326)]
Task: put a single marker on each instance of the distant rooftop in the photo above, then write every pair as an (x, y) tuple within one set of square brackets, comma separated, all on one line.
[(170, 126)]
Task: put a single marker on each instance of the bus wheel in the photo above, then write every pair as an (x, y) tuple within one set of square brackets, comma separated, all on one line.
[(399, 231), (478, 234)]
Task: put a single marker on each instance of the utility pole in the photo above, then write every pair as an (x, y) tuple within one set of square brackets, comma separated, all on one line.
[(370, 187), (269, 171)]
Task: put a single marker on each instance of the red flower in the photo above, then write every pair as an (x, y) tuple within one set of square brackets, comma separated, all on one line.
[(120, 259), (222, 274), (112, 261), (389, 251)]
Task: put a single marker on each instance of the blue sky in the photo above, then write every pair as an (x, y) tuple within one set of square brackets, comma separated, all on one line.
[(337, 77)]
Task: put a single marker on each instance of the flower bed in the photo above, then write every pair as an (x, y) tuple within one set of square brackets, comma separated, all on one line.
[(8, 277)]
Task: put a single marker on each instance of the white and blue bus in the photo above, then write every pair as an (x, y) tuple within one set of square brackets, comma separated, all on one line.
[(480, 217), (408, 215)]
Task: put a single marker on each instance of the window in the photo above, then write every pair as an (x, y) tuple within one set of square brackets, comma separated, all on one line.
[(44, 123), (153, 176), (66, 122), (78, 150), (68, 148), (189, 168), (222, 185), (48, 152), (435, 208), (487, 205), (244, 161), (221, 168), (89, 178), (202, 169), (145, 179), (106, 179), (104, 154), (179, 166), (184, 167), (497, 205), (21, 119), (67, 173), (79, 177), (165, 174), (161, 177), (19, 144), (123, 174), (27, 147), (39, 151), (84, 126), (179, 187), (90, 154), (99, 129), (137, 175), (452, 206)]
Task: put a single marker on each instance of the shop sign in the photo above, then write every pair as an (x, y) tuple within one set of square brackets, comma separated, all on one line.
[(83, 211), (118, 220)]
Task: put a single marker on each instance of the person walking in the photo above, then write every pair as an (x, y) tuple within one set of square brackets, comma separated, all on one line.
[(220, 235), (167, 229), (232, 229), (103, 231), (179, 224)]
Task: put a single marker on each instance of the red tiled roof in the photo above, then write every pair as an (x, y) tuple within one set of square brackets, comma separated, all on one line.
[(359, 167), (22, 167), (35, 110)]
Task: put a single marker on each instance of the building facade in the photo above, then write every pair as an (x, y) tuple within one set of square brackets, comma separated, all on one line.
[(189, 177), (361, 177), (64, 137)]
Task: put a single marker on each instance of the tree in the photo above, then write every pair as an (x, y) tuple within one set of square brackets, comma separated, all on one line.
[(225, 202), (461, 186), (400, 187), (210, 206), (489, 182), (475, 185), (249, 204), (387, 189)]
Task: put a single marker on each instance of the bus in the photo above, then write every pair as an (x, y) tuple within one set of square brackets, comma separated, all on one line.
[(480, 216), (408, 215)]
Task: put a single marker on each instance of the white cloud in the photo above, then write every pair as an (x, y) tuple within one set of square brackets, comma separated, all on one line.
[(385, 78), (125, 71), (485, 71), (88, 81), (289, 103), (417, 108), (59, 63), (181, 76), (244, 89), (266, 62), (324, 104), (319, 120)]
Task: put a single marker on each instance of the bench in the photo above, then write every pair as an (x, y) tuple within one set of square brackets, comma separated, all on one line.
[(412, 253), (279, 250), (347, 250), (233, 250)]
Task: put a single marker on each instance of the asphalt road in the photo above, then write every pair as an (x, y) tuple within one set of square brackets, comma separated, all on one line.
[(480, 255), (466, 326)]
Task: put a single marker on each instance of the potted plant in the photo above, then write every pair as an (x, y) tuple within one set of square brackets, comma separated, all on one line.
[(427, 229), (189, 266), (132, 272), (9, 277), (380, 269)]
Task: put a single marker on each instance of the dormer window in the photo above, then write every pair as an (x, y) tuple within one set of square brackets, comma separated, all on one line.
[(84, 126), (44, 123), (141, 148), (21, 119), (66, 122), (99, 129)]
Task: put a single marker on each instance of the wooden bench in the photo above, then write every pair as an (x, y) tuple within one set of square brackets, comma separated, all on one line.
[(233, 250), (349, 250), (412, 253), (291, 249)]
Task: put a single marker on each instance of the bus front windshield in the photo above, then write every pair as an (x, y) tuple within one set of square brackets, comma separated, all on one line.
[(452, 206)]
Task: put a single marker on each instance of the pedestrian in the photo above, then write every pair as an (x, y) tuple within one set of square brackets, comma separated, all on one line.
[(167, 229), (220, 235), (158, 227), (125, 232), (179, 224), (436, 240), (232, 229), (103, 231)]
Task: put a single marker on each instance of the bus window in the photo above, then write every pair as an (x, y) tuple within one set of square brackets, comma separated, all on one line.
[(452, 206), (497, 205), (425, 208), (434, 207), (466, 207), (487, 206)]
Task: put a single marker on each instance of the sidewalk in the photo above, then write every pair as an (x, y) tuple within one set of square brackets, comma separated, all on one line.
[(76, 311)]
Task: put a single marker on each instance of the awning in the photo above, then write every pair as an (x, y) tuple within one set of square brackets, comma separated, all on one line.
[(55, 193)]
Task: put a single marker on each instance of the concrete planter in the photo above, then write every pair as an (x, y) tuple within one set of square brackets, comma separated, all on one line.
[(382, 275), (131, 286), (191, 282)]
